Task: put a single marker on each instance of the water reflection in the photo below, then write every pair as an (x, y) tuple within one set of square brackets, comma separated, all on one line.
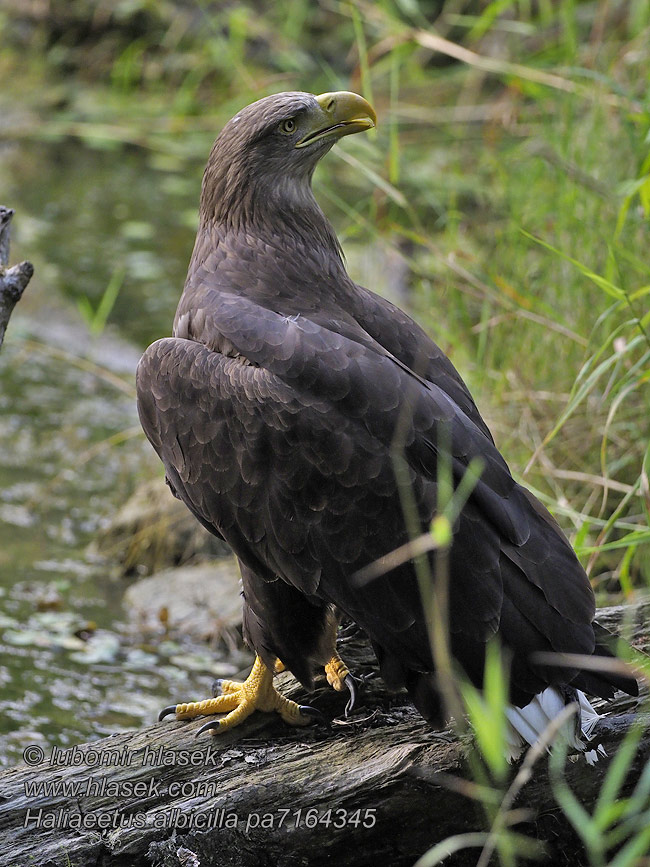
[(70, 447), (83, 213)]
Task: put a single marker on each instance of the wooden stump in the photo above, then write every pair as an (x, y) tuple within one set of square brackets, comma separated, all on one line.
[(13, 281), (373, 789)]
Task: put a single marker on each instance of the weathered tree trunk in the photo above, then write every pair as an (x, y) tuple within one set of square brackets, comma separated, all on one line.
[(13, 281), (370, 790)]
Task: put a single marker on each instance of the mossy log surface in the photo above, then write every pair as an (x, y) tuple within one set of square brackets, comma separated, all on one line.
[(373, 789)]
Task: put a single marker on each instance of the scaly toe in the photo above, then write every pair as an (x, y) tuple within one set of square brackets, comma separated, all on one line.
[(189, 710), (223, 687), (336, 672)]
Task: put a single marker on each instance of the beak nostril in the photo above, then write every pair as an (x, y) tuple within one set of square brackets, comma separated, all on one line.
[(337, 115)]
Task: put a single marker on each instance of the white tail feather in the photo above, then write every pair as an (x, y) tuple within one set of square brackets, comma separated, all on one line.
[(528, 723)]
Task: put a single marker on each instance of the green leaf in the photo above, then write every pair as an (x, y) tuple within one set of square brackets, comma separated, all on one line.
[(450, 846), (606, 285)]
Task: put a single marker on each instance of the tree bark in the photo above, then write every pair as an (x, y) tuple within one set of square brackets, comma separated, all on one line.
[(13, 281), (369, 790)]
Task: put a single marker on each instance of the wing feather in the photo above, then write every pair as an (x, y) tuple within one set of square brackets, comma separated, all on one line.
[(285, 446)]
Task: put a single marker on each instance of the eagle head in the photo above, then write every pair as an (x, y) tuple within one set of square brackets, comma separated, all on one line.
[(264, 157)]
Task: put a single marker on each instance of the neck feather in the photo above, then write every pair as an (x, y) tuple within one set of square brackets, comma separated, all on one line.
[(234, 202)]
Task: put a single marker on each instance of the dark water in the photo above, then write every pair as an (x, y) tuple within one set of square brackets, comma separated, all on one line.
[(85, 216)]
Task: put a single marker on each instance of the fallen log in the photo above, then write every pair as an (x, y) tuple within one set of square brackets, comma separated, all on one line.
[(13, 281), (368, 790)]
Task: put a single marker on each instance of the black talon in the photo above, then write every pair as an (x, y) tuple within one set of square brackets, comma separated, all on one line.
[(166, 711), (351, 684), (207, 727), (314, 713), (217, 687)]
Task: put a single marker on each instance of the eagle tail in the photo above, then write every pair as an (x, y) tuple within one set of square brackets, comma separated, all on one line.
[(528, 723)]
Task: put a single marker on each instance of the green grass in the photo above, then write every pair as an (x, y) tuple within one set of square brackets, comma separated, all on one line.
[(615, 833), (96, 317), (528, 263)]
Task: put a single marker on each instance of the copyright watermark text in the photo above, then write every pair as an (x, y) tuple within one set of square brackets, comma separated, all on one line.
[(63, 784)]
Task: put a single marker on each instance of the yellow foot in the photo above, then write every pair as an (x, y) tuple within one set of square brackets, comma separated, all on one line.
[(339, 677), (239, 700), (336, 671)]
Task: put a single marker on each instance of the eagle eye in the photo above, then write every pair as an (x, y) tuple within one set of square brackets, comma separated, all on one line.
[(287, 126)]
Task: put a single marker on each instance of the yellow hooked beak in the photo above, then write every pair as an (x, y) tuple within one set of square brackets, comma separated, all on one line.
[(341, 113)]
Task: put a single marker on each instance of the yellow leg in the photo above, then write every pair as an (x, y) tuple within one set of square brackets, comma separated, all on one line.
[(336, 671), (339, 677), (239, 700)]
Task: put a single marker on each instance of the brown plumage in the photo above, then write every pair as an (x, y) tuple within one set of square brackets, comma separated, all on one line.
[(278, 408)]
